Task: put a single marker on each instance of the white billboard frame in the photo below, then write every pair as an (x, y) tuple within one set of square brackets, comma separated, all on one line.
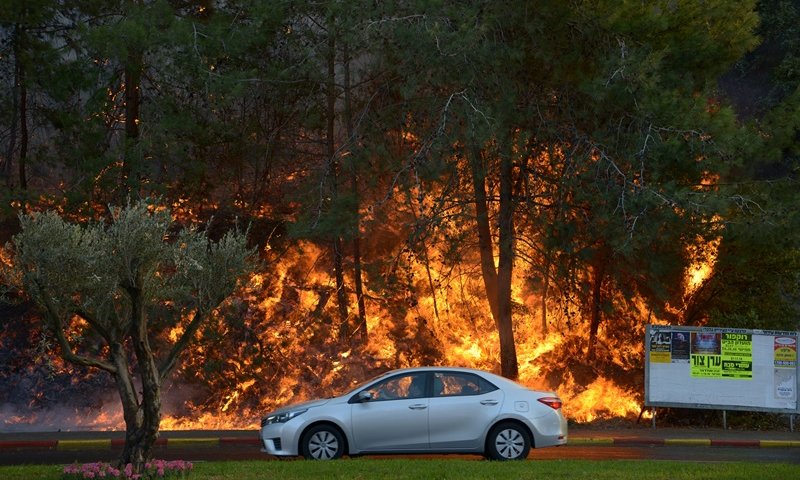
[(722, 369)]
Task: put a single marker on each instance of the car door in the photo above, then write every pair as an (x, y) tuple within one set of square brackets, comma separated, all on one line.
[(394, 418), (461, 408)]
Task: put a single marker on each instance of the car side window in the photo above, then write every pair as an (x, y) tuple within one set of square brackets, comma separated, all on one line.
[(399, 387), (451, 384)]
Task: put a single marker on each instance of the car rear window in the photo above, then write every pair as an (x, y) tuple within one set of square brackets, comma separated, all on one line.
[(450, 384)]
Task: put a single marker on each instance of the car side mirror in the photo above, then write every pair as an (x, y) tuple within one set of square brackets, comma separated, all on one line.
[(364, 396)]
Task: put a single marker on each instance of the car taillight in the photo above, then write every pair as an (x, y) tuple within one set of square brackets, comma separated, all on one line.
[(552, 402)]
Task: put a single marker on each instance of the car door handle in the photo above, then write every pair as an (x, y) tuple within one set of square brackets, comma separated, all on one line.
[(418, 406), (489, 402)]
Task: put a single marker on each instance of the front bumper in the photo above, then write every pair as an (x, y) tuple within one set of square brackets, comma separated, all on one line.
[(273, 446), (279, 439)]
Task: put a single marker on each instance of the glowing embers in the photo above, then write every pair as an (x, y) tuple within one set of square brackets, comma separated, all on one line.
[(5, 257)]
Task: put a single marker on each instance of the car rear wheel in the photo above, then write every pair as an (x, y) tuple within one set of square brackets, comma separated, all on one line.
[(508, 441), (323, 442)]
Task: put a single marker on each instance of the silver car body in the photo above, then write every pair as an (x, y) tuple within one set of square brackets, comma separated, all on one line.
[(431, 421)]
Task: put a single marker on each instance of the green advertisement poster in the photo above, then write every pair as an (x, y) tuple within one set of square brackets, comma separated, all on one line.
[(706, 366), (722, 355), (737, 355)]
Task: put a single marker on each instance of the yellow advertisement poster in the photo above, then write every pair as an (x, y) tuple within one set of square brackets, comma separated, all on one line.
[(722, 355)]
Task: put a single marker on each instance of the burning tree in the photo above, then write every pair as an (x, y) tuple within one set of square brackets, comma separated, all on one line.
[(109, 291)]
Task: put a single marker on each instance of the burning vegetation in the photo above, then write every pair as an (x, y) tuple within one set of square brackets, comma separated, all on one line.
[(277, 341), (474, 184)]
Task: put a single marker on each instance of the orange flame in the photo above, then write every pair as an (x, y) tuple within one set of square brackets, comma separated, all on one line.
[(443, 320)]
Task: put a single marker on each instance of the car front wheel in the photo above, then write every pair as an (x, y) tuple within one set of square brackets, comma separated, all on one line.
[(323, 442), (508, 441)]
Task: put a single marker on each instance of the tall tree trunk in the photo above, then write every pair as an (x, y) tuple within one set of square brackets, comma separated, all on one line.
[(431, 285), (19, 107), (131, 411), (144, 434), (361, 324), (598, 277), (497, 282), (330, 141), (505, 326), (5, 167), (361, 327), (23, 130), (545, 294), (485, 249), (341, 293), (133, 78)]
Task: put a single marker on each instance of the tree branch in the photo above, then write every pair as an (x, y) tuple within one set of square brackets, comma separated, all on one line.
[(66, 349), (172, 358)]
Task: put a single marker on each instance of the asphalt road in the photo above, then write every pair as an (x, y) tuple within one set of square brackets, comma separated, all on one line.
[(244, 446)]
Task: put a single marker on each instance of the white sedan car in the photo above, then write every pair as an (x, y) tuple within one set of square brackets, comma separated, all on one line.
[(421, 410)]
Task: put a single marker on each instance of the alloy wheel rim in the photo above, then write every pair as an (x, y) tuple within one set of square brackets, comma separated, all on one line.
[(323, 445), (509, 443)]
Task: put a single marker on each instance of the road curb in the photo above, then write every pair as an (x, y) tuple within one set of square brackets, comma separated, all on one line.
[(106, 443), (194, 442), (683, 442), (17, 444), (83, 444), (590, 441), (636, 441), (688, 442), (255, 442), (735, 443), (779, 443)]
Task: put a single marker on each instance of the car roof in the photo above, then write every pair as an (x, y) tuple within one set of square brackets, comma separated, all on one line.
[(492, 377)]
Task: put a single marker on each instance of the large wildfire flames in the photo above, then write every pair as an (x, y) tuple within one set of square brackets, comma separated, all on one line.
[(283, 348)]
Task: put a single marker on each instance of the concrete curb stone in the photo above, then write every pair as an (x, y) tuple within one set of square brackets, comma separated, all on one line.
[(579, 437)]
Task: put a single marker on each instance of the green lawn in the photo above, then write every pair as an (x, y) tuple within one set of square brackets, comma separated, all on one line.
[(373, 469)]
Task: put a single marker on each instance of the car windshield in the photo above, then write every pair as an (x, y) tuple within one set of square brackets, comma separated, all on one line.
[(361, 385)]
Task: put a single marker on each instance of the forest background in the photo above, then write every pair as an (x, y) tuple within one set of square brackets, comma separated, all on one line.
[(516, 186)]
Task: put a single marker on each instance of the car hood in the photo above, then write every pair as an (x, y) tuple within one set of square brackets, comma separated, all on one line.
[(300, 406)]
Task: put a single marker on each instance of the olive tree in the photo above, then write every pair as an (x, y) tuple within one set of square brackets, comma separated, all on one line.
[(122, 284)]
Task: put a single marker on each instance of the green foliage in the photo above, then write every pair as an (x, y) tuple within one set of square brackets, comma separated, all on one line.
[(615, 128), (757, 284), (108, 291), (87, 269)]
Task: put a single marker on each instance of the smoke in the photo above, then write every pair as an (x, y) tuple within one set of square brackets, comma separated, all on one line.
[(60, 418), (102, 411)]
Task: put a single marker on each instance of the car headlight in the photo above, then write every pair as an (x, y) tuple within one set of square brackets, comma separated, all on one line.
[(281, 417)]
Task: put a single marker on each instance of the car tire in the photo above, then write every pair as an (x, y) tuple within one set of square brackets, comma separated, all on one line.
[(508, 441), (323, 442)]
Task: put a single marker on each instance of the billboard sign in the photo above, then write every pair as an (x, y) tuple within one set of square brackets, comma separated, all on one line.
[(719, 368)]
